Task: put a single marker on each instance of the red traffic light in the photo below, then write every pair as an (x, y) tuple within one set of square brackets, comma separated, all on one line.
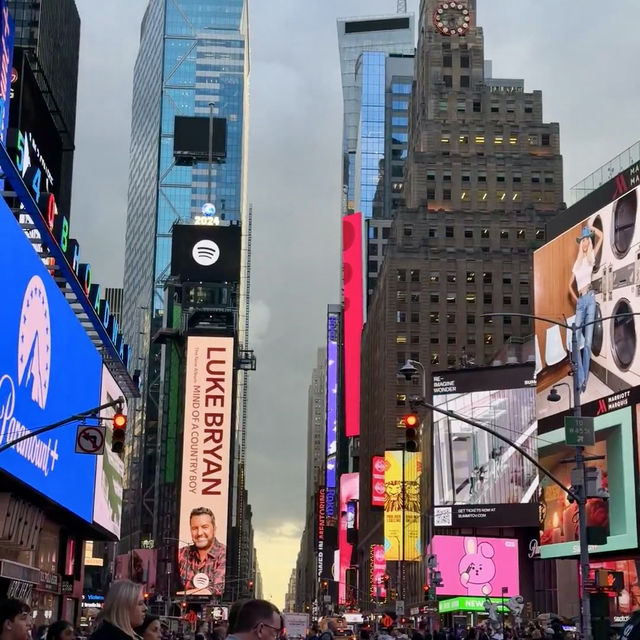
[(411, 421)]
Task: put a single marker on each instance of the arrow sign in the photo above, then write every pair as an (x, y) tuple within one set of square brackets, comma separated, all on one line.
[(90, 440)]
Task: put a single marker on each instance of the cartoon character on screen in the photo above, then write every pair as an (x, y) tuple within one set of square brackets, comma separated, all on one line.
[(476, 568)]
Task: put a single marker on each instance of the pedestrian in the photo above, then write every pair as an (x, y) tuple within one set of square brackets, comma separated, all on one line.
[(60, 630), (15, 620), (149, 629), (254, 619), (328, 628), (123, 609)]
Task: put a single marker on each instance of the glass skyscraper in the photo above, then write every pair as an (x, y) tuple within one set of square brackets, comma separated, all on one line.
[(193, 58)]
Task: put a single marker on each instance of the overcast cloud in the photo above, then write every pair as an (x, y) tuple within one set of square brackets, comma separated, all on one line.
[(582, 56)]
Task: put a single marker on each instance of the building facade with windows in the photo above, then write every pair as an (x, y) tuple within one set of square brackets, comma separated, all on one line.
[(483, 174)]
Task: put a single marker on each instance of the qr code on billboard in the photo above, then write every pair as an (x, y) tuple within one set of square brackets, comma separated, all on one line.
[(443, 517)]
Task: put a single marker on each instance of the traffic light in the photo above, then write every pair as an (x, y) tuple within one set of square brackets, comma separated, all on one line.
[(324, 584), (385, 581), (411, 426), (145, 595), (427, 593), (118, 435), (250, 585)]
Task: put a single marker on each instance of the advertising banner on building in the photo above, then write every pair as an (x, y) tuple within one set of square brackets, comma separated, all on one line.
[(614, 474), (377, 569), (139, 566), (402, 505), (352, 286), (475, 473), (472, 566), (331, 480), (204, 496), (49, 370), (349, 493), (588, 274), (377, 481), (107, 504), (6, 62), (203, 253)]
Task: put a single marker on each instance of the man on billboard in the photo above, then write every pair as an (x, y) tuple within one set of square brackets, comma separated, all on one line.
[(202, 565)]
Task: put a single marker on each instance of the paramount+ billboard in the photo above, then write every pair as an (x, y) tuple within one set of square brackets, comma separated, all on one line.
[(204, 496)]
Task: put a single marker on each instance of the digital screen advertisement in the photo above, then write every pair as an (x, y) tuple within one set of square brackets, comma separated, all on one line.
[(331, 479), (476, 473), (402, 506), (204, 496), (349, 493), (377, 569), (49, 370), (588, 275), (107, 505), (472, 566), (614, 441), (377, 481), (353, 318)]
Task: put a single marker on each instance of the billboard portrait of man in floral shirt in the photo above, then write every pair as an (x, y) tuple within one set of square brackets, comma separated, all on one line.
[(202, 565)]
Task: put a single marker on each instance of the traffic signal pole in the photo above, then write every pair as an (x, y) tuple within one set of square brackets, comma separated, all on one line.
[(91, 413)]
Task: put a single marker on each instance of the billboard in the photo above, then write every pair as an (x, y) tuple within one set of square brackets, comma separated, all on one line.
[(377, 569), (331, 480), (377, 481), (139, 566), (472, 566), (614, 439), (107, 502), (49, 370), (6, 61), (402, 505), (204, 495), (588, 274), (203, 253), (474, 472), (349, 493), (352, 286), (191, 138)]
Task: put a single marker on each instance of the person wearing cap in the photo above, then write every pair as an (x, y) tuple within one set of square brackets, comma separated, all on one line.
[(585, 301)]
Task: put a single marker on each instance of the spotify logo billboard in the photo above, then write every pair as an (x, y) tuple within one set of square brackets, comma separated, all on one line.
[(201, 253)]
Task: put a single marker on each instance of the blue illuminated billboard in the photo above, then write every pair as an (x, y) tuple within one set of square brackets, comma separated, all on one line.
[(49, 370)]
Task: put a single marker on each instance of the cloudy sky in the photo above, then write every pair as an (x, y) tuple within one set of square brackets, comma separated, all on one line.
[(582, 55)]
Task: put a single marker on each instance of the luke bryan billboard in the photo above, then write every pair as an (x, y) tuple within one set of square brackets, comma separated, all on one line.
[(402, 505), (204, 496)]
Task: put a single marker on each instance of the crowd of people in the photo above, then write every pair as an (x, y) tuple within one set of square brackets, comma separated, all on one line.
[(124, 617)]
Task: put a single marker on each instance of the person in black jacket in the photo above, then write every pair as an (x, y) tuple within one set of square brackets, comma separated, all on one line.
[(124, 609)]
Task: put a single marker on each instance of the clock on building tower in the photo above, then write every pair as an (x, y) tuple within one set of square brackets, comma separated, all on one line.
[(452, 18)]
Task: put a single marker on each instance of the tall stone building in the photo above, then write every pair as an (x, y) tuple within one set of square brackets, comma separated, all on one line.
[(483, 173)]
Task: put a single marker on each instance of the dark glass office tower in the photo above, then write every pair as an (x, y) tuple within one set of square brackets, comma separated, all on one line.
[(48, 31)]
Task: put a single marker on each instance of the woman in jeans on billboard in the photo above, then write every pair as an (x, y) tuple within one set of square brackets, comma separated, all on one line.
[(585, 301), (124, 609)]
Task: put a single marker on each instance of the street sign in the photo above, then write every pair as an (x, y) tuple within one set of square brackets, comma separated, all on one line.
[(400, 607), (579, 432), (90, 440)]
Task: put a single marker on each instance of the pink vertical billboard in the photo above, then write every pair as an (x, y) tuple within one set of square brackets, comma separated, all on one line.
[(377, 481), (377, 569), (473, 566), (349, 492), (353, 318)]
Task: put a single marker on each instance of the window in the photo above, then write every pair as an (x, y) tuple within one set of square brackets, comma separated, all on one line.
[(399, 105), (408, 230), (464, 62), (539, 234), (521, 234), (471, 277), (513, 139), (415, 339), (535, 177), (463, 139), (401, 399), (448, 81), (444, 104), (372, 266), (431, 175), (401, 296), (445, 138), (506, 300), (482, 177), (435, 358), (400, 121), (484, 233), (402, 275), (373, 233), (433, 233), (504, 234), (451, 298), (465, 82), (468, 233), (516, 177), (434, 317), (431, 194), (415, 275), (546, 140), (415, 297), (400, 339), (447, 60), (487, 277), (451, 360), (451, 277), (479, 139), (498, 139), (477, 106), (471, 298), (488, 298), (533, 140), (506, 320), (415, 316), (495, 107), (451, 318), (500, 177), (461, 106), (386, 232), (434, 276), (373, 249), (446, 194), (488, 338), (434, 298), (401, 88), (446, 176), (434, 340), (528, 107), (451, 339), (548, 178), (466, 176), (401, 316), (506, 278), (524, 300)]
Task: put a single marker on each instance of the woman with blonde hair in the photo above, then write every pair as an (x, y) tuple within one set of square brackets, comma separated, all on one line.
[(585, 301), (124, 609)]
